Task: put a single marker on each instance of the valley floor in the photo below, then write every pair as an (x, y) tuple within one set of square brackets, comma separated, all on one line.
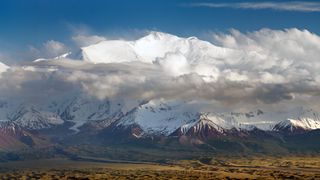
[(206, 168)]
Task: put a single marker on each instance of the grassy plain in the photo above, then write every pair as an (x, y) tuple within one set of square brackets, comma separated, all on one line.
[(259, 167)]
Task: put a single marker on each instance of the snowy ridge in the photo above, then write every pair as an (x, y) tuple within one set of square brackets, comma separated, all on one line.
[(78, 109), (30, 118), (151, 47), (212, 123), (306, 119), (153, 117), (292, 124), (247, 120), (61, 57), (81, 110), (158, 117)]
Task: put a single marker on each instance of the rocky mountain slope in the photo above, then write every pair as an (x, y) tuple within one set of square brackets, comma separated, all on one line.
[(153, 117)]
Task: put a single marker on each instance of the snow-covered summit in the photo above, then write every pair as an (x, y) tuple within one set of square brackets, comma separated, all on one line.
[(304, 119), (31, 118), (148, 48), (208, 122), (293, 124), (156, 117)]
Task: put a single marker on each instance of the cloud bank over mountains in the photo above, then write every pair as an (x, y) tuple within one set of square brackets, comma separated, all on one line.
[(266, 68)]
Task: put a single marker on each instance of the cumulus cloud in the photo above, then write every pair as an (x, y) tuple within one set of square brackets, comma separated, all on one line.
[(261, 68), (55, 48), (175, 64), (285, 60), (49, 49), (300, 6), (275, 56)]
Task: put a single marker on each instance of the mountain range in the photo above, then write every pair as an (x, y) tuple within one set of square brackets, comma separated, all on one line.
[(76, 119)]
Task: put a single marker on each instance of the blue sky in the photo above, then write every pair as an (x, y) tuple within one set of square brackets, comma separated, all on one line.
[(32, 22)]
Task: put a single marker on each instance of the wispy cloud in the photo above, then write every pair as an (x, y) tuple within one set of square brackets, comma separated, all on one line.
[(48, 49), (280, 6)]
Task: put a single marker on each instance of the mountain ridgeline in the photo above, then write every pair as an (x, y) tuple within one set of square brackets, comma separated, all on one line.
[(74, 116), (82, 122)]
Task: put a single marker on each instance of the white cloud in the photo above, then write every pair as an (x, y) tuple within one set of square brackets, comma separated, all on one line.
[(86, 40), (300, 6), (55, 48), (49, 49), (174, 64), (265, 67)]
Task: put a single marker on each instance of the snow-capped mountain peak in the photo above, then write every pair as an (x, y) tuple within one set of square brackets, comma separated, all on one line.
[(212, 123), (158, 118), (297, 124), (31, 118), (304, 120), (149, 48), (156, 35)]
